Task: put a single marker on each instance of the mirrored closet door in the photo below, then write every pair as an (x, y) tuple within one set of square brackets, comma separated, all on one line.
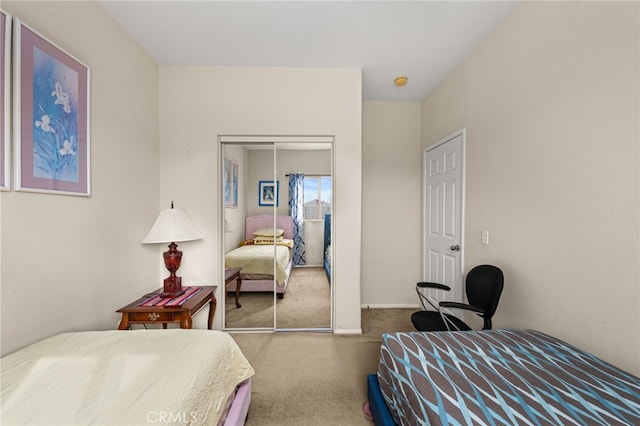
[(249, 300), (277, 203)]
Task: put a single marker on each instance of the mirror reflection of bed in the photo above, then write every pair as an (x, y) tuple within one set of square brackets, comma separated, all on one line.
[(303, 292)]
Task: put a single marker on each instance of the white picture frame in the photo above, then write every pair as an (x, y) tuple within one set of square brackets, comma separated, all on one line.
[(5, 101), (268, 193)]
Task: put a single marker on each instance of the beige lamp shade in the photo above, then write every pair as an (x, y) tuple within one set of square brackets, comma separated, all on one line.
[(172, 225)]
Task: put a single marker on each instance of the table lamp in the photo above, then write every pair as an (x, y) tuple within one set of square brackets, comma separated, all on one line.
[(171, 226)]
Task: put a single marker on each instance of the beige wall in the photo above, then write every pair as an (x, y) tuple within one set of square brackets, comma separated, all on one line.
[(391, 203), (551, 102), (198, 103), (69, 262)]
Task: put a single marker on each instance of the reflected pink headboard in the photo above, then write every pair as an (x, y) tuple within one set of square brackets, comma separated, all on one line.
[(253, 223)]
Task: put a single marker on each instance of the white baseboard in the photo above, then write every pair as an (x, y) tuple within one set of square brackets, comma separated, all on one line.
[(387, 306), (348, 331)]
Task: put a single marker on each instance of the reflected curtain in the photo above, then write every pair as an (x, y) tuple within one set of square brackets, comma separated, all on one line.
[(296, 211)]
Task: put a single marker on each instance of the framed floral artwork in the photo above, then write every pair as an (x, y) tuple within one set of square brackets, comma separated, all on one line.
[(5, 107), (51, 117), (230, 183), (268, 193)]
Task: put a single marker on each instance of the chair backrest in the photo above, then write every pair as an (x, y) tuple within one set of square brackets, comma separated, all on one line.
[(484, 285)]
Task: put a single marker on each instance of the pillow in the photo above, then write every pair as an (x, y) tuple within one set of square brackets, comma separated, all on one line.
[(259, 238), (269, 232), (283, 242), (263, 242)]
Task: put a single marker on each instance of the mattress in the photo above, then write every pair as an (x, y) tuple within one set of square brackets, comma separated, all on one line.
[(501, 377), (122, 378)]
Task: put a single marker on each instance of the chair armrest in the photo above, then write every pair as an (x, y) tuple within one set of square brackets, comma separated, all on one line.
[(464, 306), (424, 299), (434, 285)]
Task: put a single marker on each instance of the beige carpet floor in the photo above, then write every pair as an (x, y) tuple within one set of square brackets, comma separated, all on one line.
[(311, 379), (306, 304)]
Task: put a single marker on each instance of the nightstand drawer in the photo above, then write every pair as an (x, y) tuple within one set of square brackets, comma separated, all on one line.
[(151, 317)]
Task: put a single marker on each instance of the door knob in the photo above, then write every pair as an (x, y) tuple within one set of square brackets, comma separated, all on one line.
[(456, 247)]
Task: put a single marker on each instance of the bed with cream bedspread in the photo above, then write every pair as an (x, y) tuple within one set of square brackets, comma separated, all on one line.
[(258, 259), (122, 378)]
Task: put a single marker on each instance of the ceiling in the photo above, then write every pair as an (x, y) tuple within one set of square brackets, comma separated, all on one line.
[(423, 40)]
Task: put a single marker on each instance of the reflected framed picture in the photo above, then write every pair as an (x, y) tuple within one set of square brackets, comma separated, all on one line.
[(5, 107), (51, 116), (230, 183), (268, 192)]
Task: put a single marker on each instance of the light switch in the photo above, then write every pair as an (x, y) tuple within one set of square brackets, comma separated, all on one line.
[(484, 238)]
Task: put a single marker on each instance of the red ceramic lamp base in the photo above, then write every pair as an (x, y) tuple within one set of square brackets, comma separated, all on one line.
[(172, 287), (173, 283)]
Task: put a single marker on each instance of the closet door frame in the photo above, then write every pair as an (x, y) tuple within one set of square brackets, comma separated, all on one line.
[(281, 141)]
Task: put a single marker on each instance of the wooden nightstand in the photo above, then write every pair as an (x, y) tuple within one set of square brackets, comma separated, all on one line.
[(137, 313), (231, 275)]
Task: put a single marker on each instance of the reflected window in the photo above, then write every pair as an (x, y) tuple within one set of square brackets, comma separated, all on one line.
[(317, 197)]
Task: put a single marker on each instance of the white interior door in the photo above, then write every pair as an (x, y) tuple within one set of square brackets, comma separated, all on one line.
[(443, 198)]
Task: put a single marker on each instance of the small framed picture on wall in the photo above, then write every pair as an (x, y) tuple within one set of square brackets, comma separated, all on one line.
[(268, 192)]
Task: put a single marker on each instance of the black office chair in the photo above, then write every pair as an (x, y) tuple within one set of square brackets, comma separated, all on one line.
[(483, 285)]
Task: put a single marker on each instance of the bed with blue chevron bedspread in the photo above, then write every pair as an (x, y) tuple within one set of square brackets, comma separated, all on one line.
[(501, 377)]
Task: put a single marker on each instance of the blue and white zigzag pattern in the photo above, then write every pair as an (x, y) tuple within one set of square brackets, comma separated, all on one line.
[(502, 377)]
